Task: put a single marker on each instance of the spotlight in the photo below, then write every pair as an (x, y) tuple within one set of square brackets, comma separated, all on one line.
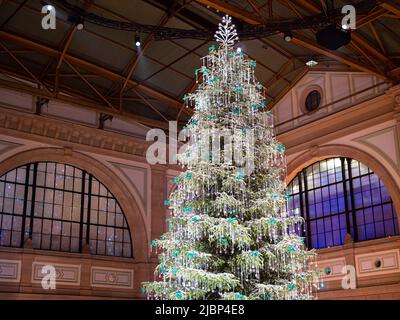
[(288, 36), (80, 26), (77, 21), (137, 41), (239, 50), (345, 27)]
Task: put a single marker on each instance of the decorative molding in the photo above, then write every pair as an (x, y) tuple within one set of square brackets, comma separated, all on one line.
[(10, 270), (111, 278), (137, 177), (335, 267), (66, 274), (7, 146), (72, 133), (378, 263), (388, 134)]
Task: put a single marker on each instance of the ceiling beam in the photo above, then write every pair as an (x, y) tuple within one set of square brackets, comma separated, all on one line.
[(392, 8), (357, 39), (88, 66), (372, 16), (301, 40), (230, 9), (26, 69)]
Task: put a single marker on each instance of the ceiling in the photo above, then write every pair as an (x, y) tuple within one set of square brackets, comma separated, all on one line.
[(101, 68)]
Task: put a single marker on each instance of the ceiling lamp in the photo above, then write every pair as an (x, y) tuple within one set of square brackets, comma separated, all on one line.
[(288, 36), (137, 41), (333, 38), (311, 63)]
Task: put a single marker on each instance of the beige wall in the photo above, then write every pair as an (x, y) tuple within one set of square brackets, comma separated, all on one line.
[(366, 129)]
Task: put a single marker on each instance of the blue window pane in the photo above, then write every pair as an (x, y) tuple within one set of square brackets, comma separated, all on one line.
[(379, 229), (368, 215), (321, 240), (361, 233), (327, 208), (335, 223), (390, 227), (374, 213), (378, 214), (370, 230), (327, 224), (358, 200)]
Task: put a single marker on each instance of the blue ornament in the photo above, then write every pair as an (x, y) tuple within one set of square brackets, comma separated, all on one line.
[(291, 249), (212, 48), (176, 179), (143, 290), (191, 255), (236, 111), (189, 176), (291, 286), (167, 202), (163, 270), (231, 220), (187, 209), (175, 253), (239, 296), (175, 271), (280, 148), (179, 295), (154, 243), (195, 219), (240, 176), (272, 220), (255, 253)]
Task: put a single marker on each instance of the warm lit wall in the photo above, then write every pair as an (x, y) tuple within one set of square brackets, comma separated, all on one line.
[(366, 129), (115, 156)]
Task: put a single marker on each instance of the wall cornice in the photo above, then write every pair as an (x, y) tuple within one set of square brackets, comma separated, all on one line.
[(42, 129)]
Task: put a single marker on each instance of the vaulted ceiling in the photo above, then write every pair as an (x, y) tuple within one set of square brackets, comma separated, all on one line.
[(101, 68)]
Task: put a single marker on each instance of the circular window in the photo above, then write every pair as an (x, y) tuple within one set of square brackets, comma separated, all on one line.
[(313, 100)]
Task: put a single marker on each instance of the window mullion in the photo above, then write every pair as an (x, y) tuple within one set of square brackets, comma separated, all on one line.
[(345, 195), (82, 211), (89, 208), (35, 167), (353, 210), (307, 210), (25, 208)]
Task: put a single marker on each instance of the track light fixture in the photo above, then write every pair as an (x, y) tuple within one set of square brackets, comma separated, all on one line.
[(288, 36), (137, 41)]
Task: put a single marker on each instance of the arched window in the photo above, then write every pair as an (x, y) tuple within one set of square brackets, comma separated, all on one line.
[(341, 196), (61, 208)]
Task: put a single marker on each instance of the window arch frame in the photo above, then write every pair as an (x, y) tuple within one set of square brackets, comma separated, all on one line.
[(351, 208), (84, 237)]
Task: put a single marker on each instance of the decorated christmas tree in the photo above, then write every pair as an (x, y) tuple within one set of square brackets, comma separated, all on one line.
[(230, 235)]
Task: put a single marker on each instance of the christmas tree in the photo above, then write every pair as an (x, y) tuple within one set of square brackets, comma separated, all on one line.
[(230, 235)]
